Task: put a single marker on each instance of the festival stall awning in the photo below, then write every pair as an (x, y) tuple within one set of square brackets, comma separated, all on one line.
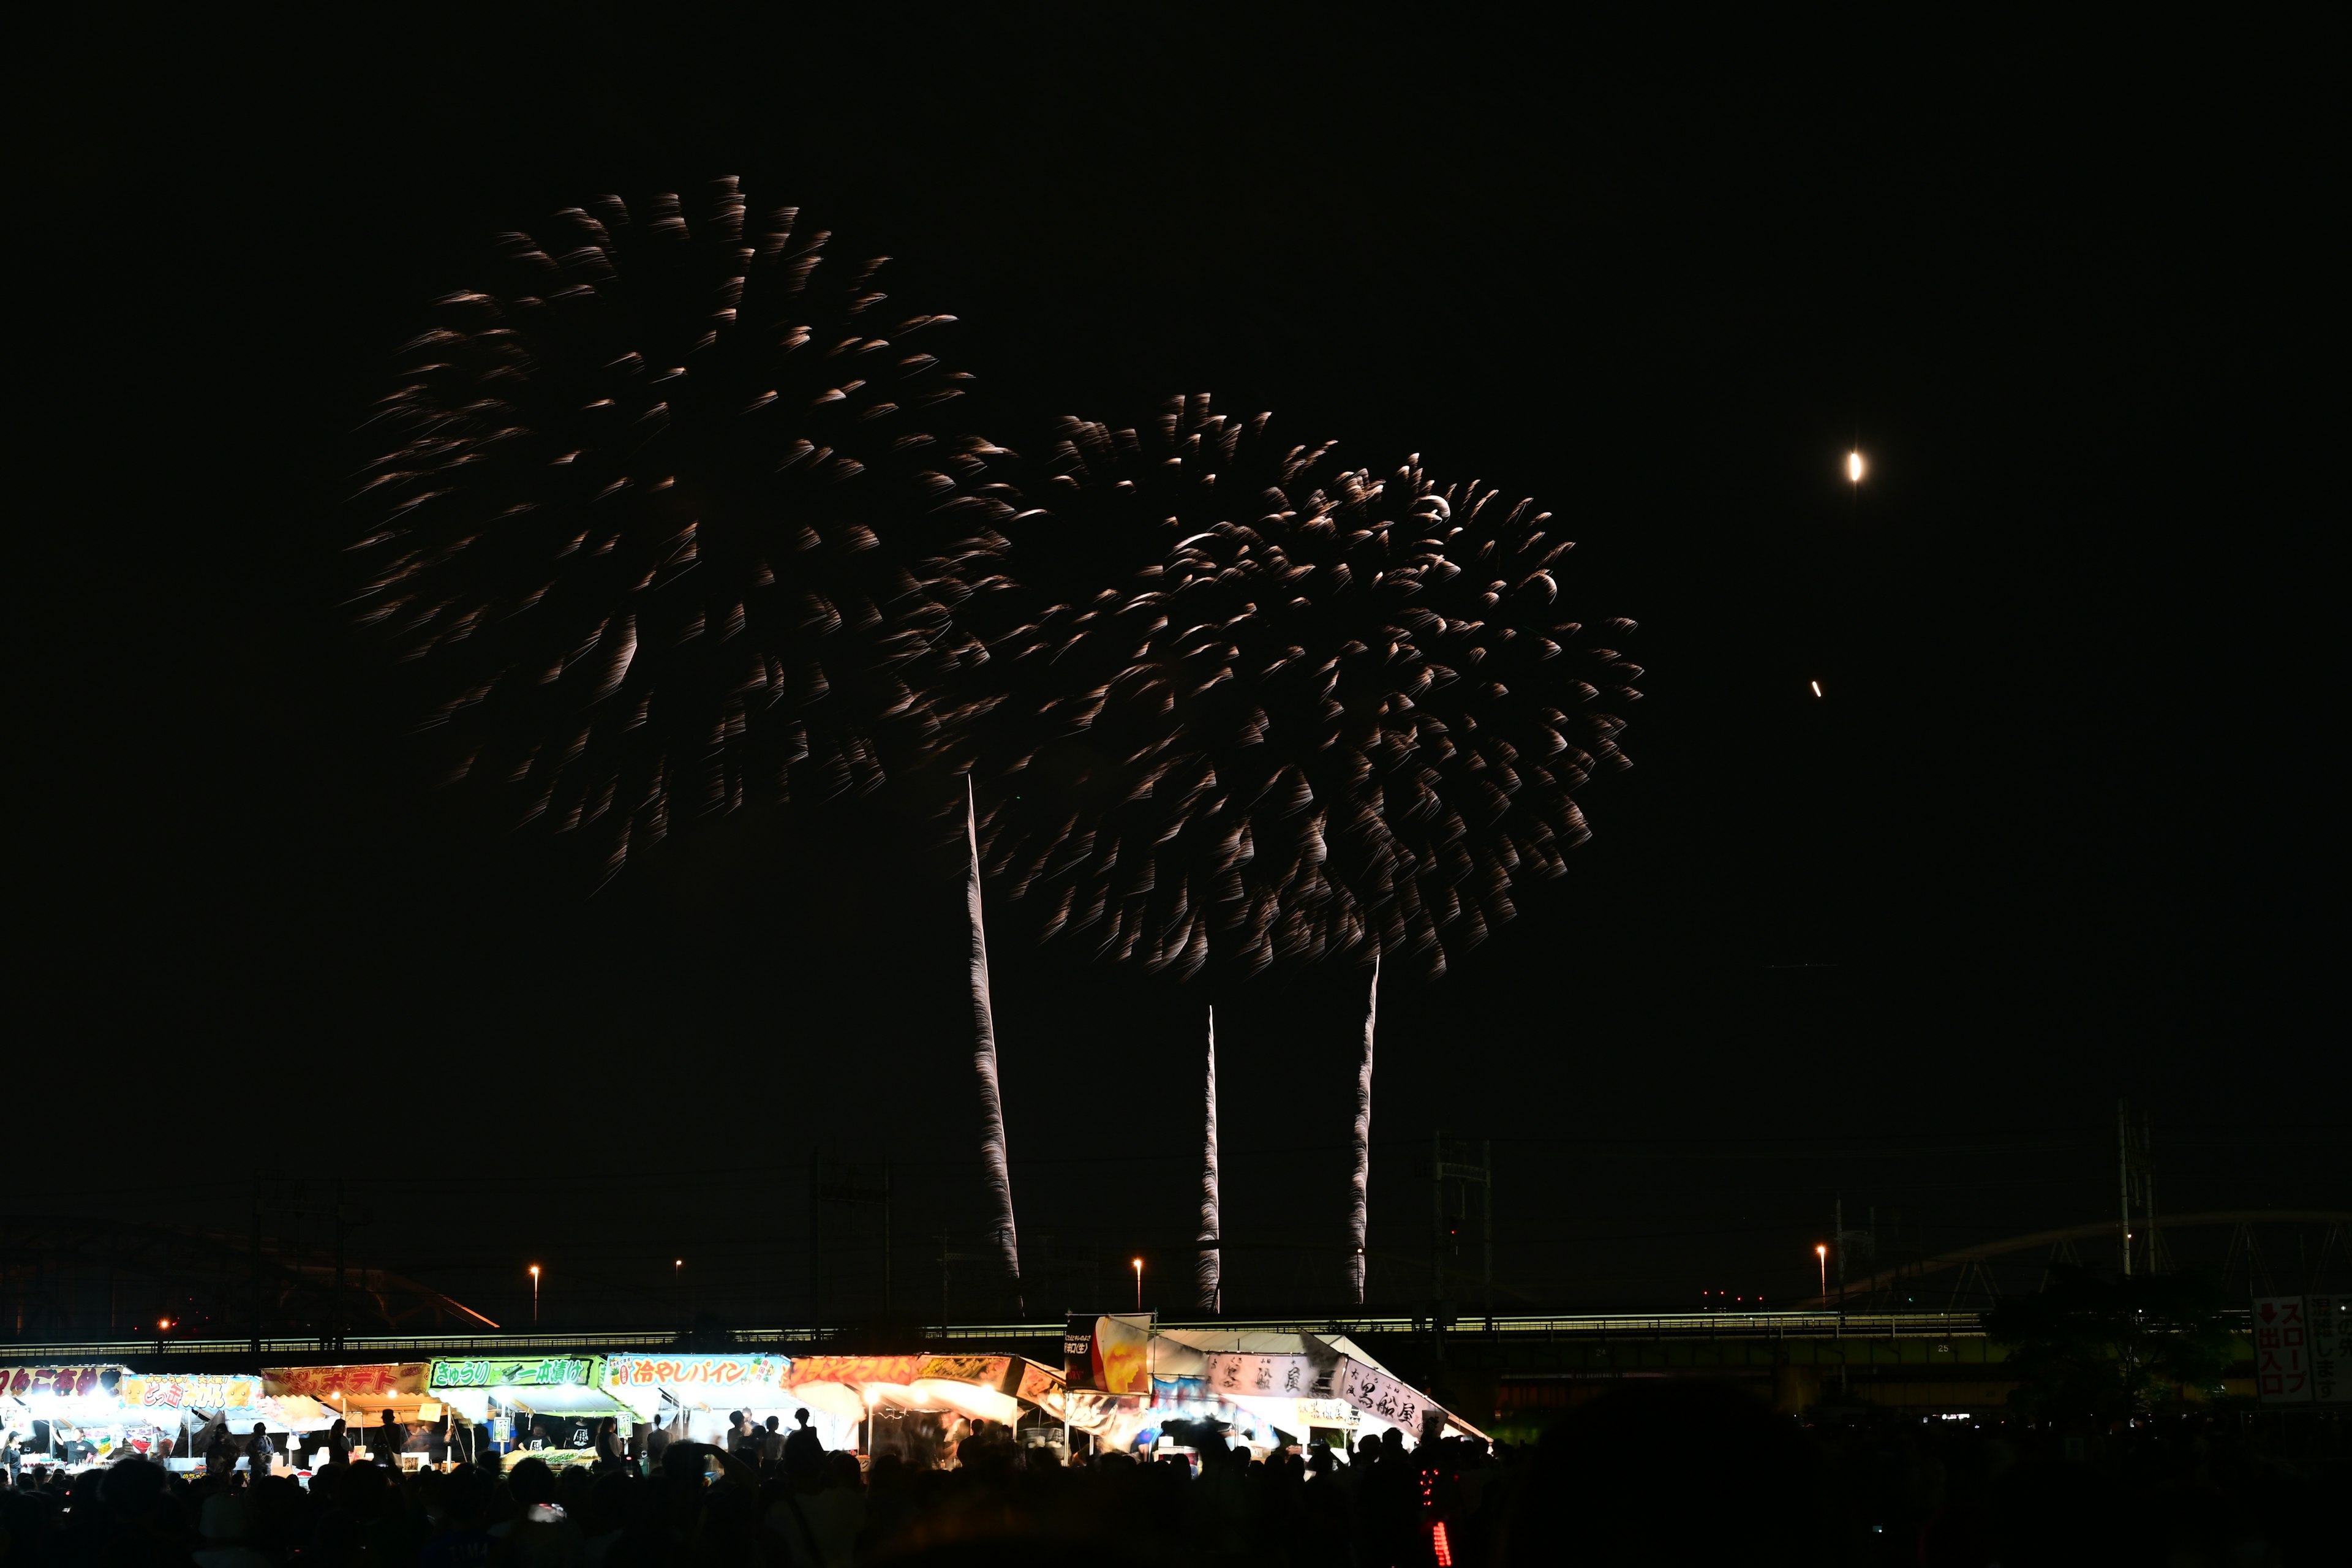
[(985, 1387), (240, 1398), (551, 1385), (387, 1385), (698, 1382)]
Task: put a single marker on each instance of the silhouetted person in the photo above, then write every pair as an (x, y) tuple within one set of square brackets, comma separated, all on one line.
[(772, 1444), (609, 1454), (259, 1452), (804, 1449), (339, 1445)]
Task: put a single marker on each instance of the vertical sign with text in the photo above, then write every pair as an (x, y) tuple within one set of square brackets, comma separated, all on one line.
[(2282, 1350), (2331, 1379)]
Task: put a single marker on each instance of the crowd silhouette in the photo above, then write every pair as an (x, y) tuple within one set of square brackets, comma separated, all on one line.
[(1659, 1473)]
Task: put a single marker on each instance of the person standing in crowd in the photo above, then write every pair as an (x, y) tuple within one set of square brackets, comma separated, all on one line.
[(258, 1452), (772, 1444), (804, 1450), (609, 1456), (742, 1437), (339, 1445), (390, 1439), (220, 1451)]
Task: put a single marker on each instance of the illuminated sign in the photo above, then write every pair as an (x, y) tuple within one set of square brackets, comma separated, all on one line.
[(695, 1371), (380, 1382), (515, 1372), (63, 1382), (195, 1389)]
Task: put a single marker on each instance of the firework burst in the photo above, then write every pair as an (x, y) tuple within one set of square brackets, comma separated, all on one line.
[(1331, 715), (670, 517)]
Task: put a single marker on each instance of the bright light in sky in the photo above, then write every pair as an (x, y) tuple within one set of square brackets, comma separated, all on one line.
[(1853, 467), (1817, 689)]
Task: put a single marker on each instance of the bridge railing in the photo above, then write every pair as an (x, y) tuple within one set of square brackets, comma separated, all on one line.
[(1806, 1324)]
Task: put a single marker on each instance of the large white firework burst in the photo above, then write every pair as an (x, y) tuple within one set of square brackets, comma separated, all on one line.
[(669, 518)]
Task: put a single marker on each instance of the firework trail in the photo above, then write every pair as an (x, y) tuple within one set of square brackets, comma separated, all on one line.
[(675, 516), (667, 517), (994, 1160), (1359, 1178), (1332, 715), (1209, 1269)]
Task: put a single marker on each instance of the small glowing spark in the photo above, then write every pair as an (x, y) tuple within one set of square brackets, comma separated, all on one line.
[(1853, 467), (1817, 689)]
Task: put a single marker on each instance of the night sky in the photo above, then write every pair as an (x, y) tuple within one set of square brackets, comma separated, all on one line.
[(2050, 835)]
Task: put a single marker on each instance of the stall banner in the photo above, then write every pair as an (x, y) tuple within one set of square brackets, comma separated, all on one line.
[(208, 1391), (983, 1370), (64, 1381), (1375, 1392), (1107, 1354), (1277, 1376), (748, 1371), (346, 1382), (856, 1369), (1038, 1386), (516, 1372)]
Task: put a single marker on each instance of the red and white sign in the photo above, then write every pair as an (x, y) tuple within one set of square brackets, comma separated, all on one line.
[(2282, 1350)]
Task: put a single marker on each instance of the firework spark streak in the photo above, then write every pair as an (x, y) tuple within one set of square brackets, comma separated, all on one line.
[(666, 520)]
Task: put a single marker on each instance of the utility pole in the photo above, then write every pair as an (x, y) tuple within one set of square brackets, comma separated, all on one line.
[(339, 1267), (257, 1264), (1486, 1226), (1837, 1235), (886, 1235), (2122, 1180), (1437, 1226)]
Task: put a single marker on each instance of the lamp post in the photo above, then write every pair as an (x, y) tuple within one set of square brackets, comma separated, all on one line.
[(1138, 1283), (534, 1295)]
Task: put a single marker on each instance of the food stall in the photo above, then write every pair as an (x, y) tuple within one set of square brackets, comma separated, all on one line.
[(183, 1404), (1127, 1380), (71, 1416), (691, 1395), (367, 1399), (81, 1415), (549, 1405), (908, 1404)]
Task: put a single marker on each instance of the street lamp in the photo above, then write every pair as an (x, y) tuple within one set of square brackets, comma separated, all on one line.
[(534, 1293), (1821, 1251), (1138, 1283)]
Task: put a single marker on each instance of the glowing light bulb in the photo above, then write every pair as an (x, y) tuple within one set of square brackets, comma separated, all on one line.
[(1853, 467)]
